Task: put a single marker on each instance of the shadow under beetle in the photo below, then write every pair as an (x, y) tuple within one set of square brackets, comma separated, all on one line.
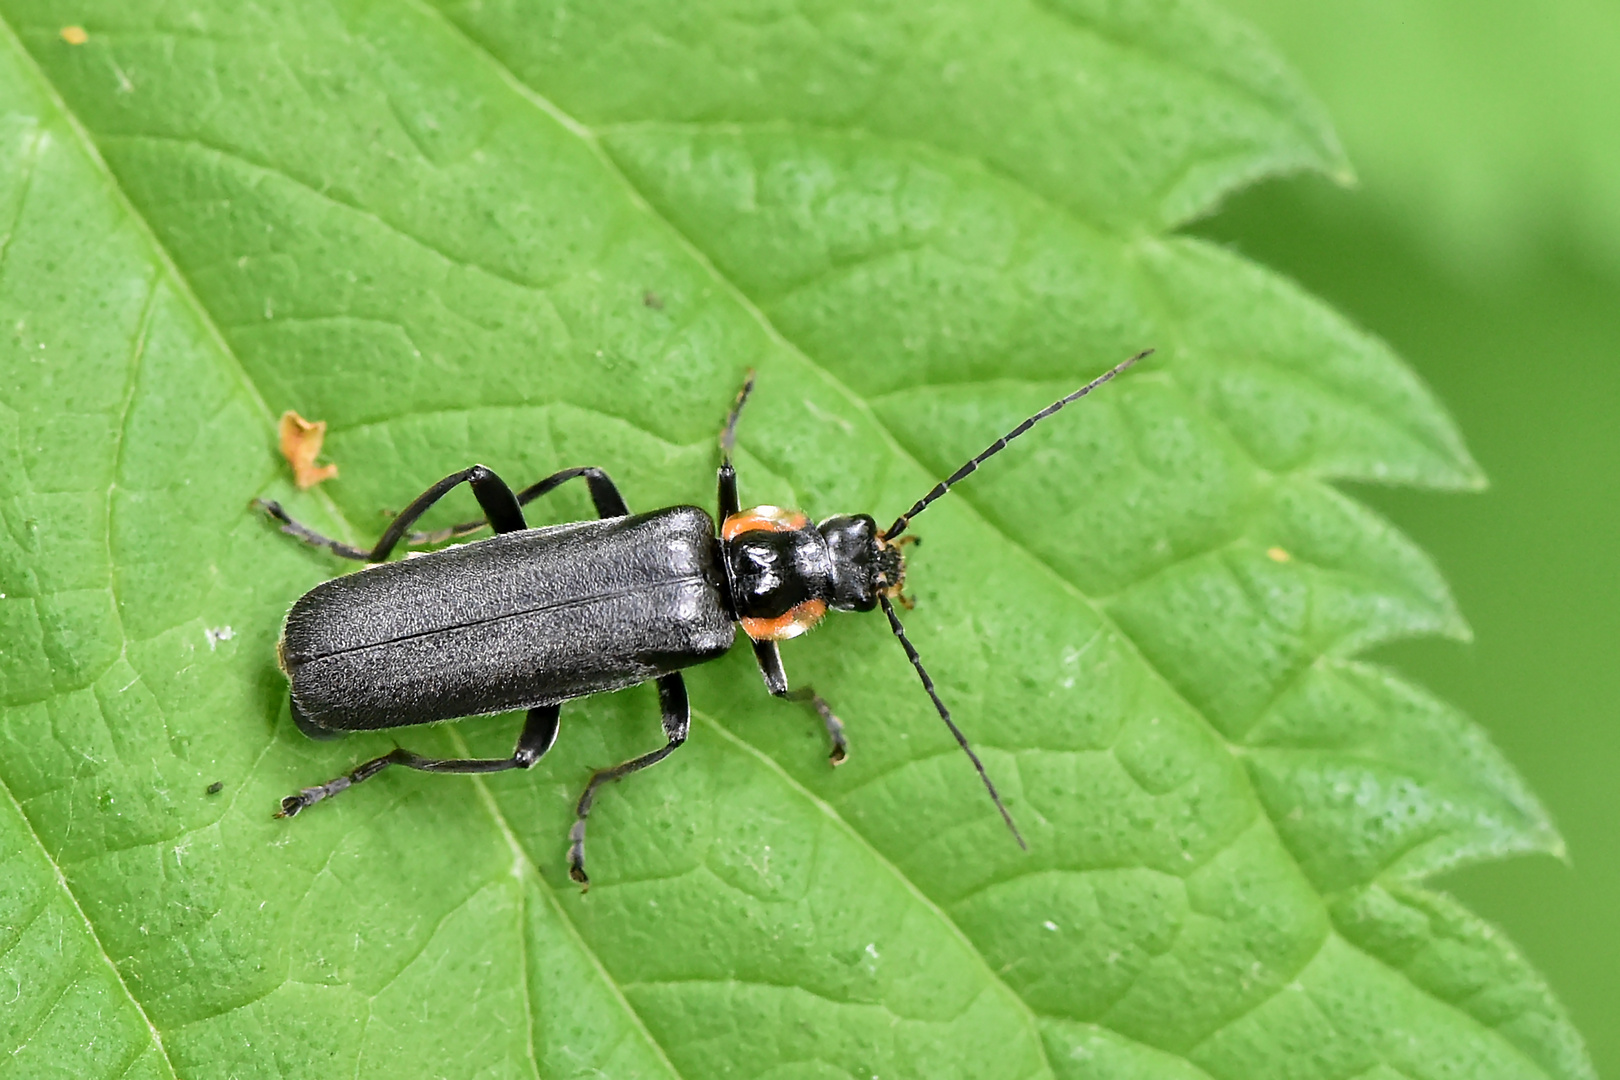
[(531, 618)]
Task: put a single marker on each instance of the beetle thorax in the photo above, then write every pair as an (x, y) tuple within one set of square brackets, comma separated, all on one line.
[(780, 571), (785, 573)]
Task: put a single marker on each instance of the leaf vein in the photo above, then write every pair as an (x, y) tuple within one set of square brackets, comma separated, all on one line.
[(25, 186), (523, 870), (48, 90), (89, 928), (328, 197), (795, 988)]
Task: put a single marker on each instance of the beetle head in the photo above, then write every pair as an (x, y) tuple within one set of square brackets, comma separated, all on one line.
[(864, 565)]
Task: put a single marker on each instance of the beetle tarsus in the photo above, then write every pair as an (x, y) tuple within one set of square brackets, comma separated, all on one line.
[(292, 804), (576, 851), (835, 727), (300, 531)]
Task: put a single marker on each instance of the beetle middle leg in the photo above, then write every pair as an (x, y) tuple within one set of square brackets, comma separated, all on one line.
[(769, 659), (677, 717), (539, 733), (502, 509), (604, 496)]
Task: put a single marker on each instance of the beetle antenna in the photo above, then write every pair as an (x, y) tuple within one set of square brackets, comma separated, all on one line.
[(945, 715), (1000, 444), (728, 434)]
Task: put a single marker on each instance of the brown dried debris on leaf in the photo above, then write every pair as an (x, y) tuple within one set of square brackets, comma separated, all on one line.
[(300, 445)]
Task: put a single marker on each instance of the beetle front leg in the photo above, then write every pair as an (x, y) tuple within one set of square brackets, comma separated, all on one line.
[(539, 733), (726, 480), (769, 658), (677, 717)]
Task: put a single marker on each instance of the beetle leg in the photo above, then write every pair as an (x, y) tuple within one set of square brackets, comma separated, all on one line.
[(726, 481), (308, 535), (727, 478), (500, 507), (769, 658), (677, 716), (835, 726), (539, 732), (604, 495), (604, 492)]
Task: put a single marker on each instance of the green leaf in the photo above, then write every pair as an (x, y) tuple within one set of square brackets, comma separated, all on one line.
[(538, 236)]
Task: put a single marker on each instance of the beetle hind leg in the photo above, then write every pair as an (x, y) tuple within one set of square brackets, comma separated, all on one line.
[(300, 531), (502, 509), (677, 717), (539, 733)]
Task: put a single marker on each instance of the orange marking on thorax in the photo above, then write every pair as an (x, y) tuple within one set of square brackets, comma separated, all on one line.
[(762, 519), (788, 625)]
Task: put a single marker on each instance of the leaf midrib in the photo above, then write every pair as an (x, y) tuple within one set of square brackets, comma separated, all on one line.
[(522, 870), (90, 929)]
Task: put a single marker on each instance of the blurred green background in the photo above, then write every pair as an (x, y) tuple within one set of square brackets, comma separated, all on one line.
[(1483, 241)]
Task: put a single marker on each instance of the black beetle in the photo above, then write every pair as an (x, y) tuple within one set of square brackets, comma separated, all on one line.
[(531, 618)]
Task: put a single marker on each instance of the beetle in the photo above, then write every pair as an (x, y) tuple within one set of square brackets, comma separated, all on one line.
[(534, 617)]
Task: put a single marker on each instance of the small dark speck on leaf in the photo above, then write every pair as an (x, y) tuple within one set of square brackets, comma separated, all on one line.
[(653, 300), (216, 787)]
